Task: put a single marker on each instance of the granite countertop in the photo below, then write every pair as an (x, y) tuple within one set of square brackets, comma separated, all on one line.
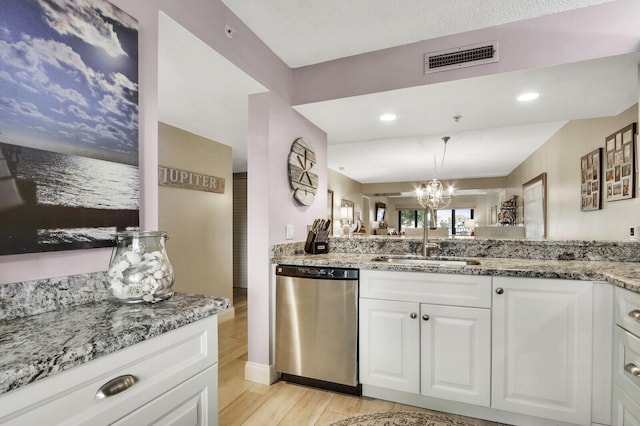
[(622, 274), (37, 346)]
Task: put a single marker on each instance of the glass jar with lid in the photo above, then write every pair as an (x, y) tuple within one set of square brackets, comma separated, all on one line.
[(139, 270)]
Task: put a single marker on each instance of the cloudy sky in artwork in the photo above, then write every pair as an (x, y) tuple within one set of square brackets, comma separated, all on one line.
[(69, 78)]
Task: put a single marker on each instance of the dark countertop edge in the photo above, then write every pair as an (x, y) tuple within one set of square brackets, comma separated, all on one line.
[(30, 371), (620, 274)]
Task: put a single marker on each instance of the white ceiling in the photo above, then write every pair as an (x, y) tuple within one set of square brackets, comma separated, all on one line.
[(202, 92), (305, 32), (494, 131)]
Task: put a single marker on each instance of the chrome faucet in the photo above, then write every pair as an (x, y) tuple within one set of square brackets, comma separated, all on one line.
[(431, 224)]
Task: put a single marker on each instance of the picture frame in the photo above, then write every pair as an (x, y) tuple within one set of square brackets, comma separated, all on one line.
[(620, 172), (591, 184), (72, 155), (330, 209), (380, 211), (534, 195)]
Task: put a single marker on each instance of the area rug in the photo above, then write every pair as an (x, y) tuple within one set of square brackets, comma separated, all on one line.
[(404, 418)]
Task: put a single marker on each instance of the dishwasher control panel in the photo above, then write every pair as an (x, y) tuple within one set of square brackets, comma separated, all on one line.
[(325, 273)]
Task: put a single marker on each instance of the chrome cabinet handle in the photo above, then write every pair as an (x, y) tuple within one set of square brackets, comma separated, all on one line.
[(632, 369), (413, 315), (635, 314), (499, 290), (115, 386), (425, 317)]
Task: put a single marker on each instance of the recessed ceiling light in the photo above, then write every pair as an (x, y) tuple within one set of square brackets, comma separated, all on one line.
[(387, 117), (528, 96)]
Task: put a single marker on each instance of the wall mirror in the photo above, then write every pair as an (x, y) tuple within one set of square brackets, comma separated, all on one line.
[(534, 209)]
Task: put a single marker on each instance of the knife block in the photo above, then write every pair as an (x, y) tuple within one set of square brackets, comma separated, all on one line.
[(317, 242)]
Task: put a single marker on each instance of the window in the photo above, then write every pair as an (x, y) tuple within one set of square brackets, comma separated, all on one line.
[(452, 219), (410, 219)]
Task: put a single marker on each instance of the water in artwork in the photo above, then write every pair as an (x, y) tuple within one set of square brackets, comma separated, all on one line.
[(63, 180)]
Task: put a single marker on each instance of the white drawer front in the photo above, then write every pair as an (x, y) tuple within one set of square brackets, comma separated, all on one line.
[(626, 411), (437, 289), (627, 310), (191, 403), (626, 362), (159, 364)]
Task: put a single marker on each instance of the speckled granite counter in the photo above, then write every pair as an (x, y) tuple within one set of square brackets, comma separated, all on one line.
[(623, 274), (595, 260), (61, 335)]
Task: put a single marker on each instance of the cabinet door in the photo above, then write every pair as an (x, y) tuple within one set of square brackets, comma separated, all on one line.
[(626, 411), (193, 403), (542, 337), (389, 344), (456, 353)]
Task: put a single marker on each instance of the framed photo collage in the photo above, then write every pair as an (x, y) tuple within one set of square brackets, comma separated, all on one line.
[(619, 164)]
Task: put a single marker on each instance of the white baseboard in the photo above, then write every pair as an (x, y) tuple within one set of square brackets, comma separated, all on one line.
[(260, 373)]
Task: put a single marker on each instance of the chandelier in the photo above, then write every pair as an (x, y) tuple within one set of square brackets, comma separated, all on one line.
[(432, 195)]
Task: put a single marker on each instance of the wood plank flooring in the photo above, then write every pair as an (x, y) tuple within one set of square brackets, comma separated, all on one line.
[(246, 403)]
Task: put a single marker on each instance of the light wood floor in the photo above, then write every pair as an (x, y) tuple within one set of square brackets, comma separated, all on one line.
[(246, 403)]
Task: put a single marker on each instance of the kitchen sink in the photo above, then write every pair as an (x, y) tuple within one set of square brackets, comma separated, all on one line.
[(433, 260)]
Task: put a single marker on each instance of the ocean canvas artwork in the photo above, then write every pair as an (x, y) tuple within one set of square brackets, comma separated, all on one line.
[(68, 124)]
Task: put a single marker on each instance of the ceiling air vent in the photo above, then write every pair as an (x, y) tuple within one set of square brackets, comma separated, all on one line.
[(460, 57)]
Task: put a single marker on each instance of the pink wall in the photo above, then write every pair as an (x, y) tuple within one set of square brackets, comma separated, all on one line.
[(285, 126), (273, 126), (594, 32)]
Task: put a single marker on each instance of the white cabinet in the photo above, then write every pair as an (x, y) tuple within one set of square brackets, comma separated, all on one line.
[(542, 348), (175, 384), (432, 348), (626, 411), (389, 344), (626, 359), (455, 349)]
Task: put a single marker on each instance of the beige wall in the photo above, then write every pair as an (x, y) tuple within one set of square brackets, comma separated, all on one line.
[(346, 188), (199, 224), (560, 159)]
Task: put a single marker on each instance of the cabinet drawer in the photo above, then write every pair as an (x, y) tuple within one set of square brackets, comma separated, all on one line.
[(188, 404), (626, 411), (423, 287), (626, 362), (159, 364), (627, 310)]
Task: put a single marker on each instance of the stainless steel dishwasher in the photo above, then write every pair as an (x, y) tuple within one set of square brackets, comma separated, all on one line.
[(317, 327)]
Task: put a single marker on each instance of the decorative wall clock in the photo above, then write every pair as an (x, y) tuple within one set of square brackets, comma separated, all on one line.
[(303, 180)]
